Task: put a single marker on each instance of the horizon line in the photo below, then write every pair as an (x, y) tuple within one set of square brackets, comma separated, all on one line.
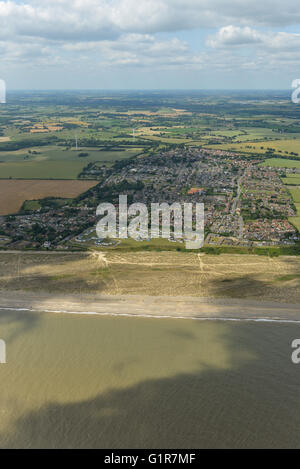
[(144, 89)]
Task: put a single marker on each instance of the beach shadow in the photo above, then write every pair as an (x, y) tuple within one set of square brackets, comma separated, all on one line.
[(22, 321), (252, 404), (243, 286)]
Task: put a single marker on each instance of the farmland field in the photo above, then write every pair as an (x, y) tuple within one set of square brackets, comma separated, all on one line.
[(289, 145), (14, 193), (53, 162), (256, 133), (281, 163), (295, 192), (226, 136), (295, 221), (292, 179)]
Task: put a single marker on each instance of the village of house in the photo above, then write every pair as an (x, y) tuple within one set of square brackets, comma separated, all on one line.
[(245, 205)]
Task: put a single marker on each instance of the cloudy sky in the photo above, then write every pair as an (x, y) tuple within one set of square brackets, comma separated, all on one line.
[(156, 44)]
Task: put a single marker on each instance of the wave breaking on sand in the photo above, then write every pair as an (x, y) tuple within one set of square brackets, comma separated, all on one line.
[(155, 316)]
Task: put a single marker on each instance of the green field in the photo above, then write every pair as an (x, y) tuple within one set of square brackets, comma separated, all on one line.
[(281, 163), (54, 162), (257, 133), (295, 192), (295, 221), (31, 205), (292, 180), (279, 146)]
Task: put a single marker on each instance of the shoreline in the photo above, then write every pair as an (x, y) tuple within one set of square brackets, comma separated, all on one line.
[(149, 316), (158, 307)]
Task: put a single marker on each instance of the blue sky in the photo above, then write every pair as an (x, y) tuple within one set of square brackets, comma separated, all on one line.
[(155, 44)]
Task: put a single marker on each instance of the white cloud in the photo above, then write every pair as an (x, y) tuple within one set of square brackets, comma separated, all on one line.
[(235, 36), (105, 19), (145, 33), (229, 36), (136, 49)]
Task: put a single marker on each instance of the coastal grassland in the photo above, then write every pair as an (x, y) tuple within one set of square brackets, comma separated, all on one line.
[(13, 192), (161, 244), (125, 245), (153, 273), (54, 162)]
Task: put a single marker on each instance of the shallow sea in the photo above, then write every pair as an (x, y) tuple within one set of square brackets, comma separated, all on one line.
[(75, 381)]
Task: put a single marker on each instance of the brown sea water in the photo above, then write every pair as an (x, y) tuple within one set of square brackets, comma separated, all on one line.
[(108, 382)]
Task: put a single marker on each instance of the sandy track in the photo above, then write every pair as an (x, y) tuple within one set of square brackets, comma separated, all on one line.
[(162, 274)]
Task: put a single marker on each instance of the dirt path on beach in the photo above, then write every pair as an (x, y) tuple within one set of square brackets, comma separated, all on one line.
[(152, 274)]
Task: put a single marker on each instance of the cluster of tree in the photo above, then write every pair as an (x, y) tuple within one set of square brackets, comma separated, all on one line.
[(19, 145)]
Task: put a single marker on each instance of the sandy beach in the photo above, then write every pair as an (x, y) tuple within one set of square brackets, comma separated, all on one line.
[(149, 306)]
